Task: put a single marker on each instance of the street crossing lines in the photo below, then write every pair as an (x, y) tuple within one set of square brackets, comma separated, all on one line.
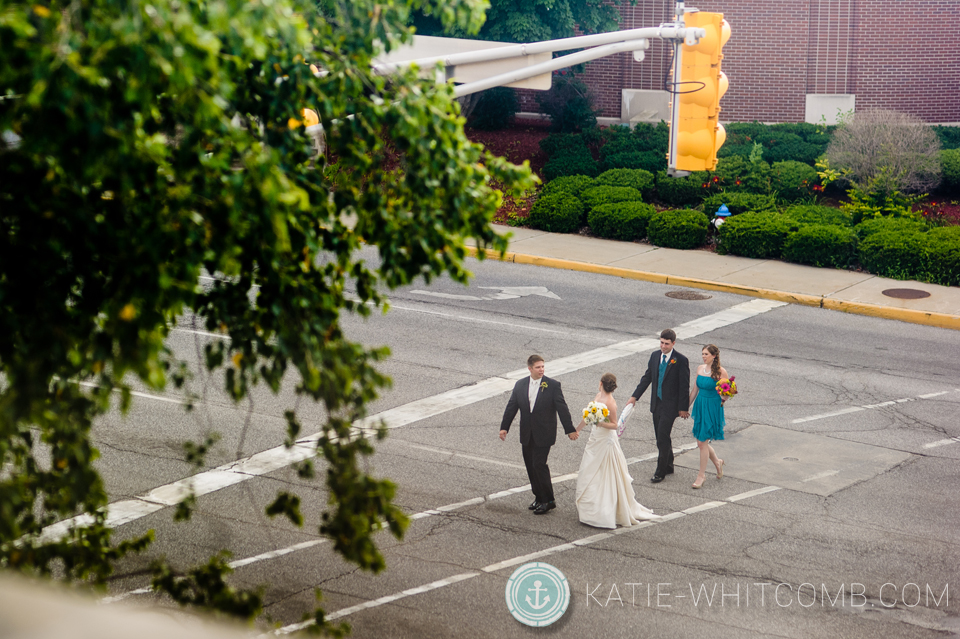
[(280, 457), (522, 559)]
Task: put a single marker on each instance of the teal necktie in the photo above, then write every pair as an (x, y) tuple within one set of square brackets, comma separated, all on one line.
[(663, 369)]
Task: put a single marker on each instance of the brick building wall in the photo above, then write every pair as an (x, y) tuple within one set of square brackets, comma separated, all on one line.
[(889, 53)]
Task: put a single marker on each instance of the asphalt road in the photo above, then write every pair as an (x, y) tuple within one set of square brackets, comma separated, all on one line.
[(837, 515)]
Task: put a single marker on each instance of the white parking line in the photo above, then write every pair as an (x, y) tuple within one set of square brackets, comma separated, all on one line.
[(274, 459), (942, 442), (857, 409), (514, 561), (826, 473), (273, 554)]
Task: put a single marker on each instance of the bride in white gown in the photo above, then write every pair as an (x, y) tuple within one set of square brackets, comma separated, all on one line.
[(605, 496)]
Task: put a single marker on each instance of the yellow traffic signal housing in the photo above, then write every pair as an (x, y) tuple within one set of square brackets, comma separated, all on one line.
[(695, 130)]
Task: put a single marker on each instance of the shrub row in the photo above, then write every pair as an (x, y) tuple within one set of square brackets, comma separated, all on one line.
[(901, 248), (769, 159), (612, 206), (898, 248)]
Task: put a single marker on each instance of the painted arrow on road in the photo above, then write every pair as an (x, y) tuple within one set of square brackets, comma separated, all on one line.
[(506, 293)]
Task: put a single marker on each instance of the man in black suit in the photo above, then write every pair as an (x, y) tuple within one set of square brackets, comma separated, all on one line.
[(669, 372), (539, 400)]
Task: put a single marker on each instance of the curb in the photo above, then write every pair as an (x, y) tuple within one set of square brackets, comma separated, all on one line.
[(939, 320)]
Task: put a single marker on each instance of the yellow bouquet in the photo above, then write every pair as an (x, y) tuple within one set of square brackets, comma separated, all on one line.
[(595, 412)]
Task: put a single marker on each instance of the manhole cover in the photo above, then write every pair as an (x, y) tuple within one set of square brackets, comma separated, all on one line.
[(688, 295), (905, 293)]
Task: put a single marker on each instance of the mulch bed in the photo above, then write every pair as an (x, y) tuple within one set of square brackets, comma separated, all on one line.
[(517, 143)]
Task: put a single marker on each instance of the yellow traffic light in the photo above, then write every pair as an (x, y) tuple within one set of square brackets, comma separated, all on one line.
[(695, 130)]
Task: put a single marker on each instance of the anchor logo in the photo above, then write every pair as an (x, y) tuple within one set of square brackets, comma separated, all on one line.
[(537, 594), (537, 590)]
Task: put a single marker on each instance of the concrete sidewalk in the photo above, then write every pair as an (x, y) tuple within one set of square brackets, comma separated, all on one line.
[(835, 289)]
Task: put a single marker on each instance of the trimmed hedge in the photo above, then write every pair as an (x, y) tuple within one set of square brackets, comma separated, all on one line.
[(817, 214), (634, 178), (557, 142), (652, 161), (759, 234), (598, 195), (792, 180), (681, 191), (572, 184), (621, 220), (950, 161), (904, 225), (738, 203), (684, 229), (949, 136), (821, 245), (557, 213), (895, 254), (942, 255), (571, 161)]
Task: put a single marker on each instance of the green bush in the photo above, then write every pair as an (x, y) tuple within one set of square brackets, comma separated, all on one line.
[(656, 137), (949, 136), (738, 203), (572, 184), (557, 213), (495, 109), (903, 225), (634, 178), (621, 221), (684, 229), (572, 161), (794, 151), (745, 132), (941, 260), (803, 214), (893, 254), (652, 161), (821, 245), (759, 234), (729, 150), (792, 180), (599, 195), (950, 162), (800, 142), (736, 173), (558, 142), (569, 105), (681, 191), (621, 142)]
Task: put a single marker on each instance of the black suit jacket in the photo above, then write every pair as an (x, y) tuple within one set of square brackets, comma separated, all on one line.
[(540, 426), (676, 383)]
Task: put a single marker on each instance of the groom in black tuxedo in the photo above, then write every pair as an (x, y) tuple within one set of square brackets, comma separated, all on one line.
[(539, 401), (669, 372)]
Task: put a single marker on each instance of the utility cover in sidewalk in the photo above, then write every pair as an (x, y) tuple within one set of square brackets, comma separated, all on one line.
[(906, 293), (796, 461)]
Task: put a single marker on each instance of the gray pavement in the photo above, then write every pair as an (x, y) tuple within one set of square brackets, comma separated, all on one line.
[(836, 289)]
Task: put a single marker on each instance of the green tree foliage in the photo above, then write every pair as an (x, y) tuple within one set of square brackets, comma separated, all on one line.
[(162, 140)]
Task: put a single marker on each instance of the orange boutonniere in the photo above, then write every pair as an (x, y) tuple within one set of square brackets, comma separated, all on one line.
[(543, 386), (673, 361)]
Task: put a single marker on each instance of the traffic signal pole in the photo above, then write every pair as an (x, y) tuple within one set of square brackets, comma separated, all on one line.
[(696, 86)]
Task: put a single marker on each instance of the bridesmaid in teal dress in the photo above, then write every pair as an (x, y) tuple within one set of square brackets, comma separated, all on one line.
[(707, 410)]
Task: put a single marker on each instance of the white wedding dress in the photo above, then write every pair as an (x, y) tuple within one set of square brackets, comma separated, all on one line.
[(605, 496)]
